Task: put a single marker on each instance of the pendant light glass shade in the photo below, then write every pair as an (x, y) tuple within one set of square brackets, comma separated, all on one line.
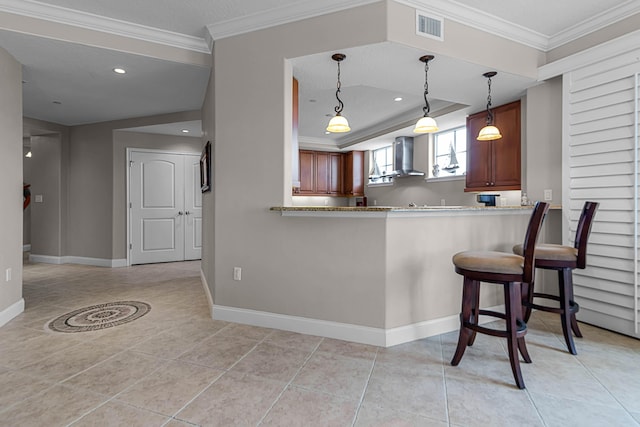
[(490, 132), (426, 124), (338, 123)]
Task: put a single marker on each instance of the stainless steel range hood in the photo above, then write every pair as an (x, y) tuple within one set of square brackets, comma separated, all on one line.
[(403, 158)]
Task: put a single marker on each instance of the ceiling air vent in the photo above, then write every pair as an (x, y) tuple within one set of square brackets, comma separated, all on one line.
[(428, 25)]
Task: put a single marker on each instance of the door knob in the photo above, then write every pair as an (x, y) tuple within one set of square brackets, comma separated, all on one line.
[(179, 212)]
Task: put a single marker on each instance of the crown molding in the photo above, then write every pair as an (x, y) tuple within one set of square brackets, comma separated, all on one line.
[(602, 52), (481, 20), (595, 23), (484, 21), (279, 16), (61, 15)]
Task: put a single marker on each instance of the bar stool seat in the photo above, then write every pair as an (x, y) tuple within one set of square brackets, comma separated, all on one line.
[(510, 271), (563, 259)]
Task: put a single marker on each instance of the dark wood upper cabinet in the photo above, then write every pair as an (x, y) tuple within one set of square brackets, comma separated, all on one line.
[(494, 165), (307, 173), (324, 173), (354, 173)]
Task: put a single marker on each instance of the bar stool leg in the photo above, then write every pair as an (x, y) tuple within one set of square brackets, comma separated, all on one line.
[(568, 280), (527, 297), (469, 290), (513, 304), (475, 319), (564, 277)]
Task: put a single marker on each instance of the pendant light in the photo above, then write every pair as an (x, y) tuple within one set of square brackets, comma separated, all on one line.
[(426, 124), (489, 132), (338, 123)]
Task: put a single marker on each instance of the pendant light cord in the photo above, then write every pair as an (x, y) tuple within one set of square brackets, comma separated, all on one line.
[(340, 106), (489, 113), (427, 108)]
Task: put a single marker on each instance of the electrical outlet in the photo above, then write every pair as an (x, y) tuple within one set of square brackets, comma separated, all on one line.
[(548, 195), (7, 274), (237, 273)]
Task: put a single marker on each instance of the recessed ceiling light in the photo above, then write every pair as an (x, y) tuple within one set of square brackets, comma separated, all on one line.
[(398, 99), (119, 70), (185, 130)]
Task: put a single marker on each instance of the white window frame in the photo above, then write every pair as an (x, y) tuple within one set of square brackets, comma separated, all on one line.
[(443, 175)]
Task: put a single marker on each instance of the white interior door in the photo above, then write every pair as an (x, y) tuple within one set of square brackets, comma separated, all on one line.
[(156, 207), (193, 208)]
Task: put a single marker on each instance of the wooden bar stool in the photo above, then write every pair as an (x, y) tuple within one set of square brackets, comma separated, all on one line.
[(563, 259), (509, 270)]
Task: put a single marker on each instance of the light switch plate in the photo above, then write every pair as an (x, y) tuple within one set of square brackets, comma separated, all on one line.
[(38, 198), (548, 195)]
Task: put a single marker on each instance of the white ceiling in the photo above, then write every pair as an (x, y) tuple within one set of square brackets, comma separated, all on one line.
[(80, 77)]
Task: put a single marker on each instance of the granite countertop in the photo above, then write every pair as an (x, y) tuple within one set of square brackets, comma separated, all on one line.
[(395, 208)]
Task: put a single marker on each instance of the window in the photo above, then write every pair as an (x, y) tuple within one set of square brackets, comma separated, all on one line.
[(381, 164), (449, 153)]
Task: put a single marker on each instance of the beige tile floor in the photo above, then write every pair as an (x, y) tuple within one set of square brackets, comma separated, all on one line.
[(177, 367)]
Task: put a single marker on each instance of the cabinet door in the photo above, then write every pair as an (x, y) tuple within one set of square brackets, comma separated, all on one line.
[(323, 173), (506, 151), (335, 173), (494, 165), (354, 173), (479, 153), (307, 173)]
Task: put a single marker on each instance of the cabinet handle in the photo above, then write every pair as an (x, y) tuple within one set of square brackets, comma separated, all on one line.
[(487, 183), (187, 213), (179, 213)]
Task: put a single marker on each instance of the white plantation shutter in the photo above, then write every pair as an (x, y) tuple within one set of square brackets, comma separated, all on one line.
[(600, 146)]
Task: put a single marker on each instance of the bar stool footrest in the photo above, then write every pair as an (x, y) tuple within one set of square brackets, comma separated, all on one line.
[(521, 325), (574, 307)]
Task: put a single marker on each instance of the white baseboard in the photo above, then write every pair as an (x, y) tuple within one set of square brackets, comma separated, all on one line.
[(26, 248), (343, 331), (10, 312), (98, 262), (303, 325)]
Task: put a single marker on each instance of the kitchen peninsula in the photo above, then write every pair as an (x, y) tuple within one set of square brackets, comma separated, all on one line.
[(386, 272)]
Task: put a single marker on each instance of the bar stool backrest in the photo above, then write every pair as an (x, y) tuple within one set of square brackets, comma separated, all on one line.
[(583, 231), (530, 238)]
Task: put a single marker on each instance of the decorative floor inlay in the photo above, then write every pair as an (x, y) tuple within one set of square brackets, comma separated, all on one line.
[(100, 316)]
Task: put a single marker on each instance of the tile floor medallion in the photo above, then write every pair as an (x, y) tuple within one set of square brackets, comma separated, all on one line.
[(100, 316)]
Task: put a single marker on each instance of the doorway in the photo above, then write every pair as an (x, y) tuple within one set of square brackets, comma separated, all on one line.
[(165, 206)]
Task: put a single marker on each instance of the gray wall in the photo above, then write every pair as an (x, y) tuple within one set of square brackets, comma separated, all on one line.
[(10, 183), (544, 140), (299, 266), (208, 198), (84, 166), (46, 181)]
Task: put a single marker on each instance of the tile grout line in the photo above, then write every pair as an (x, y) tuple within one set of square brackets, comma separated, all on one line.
[(306, 360), (624, 408), (366, 386), (444, 380), (225, 371)]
